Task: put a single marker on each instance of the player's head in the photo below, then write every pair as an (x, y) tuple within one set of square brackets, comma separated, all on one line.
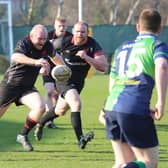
[(60, 26), (38, 36), (149, 21), (80, 33)]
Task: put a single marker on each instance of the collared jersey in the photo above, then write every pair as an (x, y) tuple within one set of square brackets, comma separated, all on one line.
[(133, 70), (26, 75)]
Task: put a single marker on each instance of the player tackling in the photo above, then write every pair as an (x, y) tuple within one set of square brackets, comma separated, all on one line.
[(79, 53), (17, 86)]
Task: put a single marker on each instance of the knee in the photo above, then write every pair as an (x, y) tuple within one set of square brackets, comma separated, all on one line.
[(75, 106), (60, 112), (40, 108)]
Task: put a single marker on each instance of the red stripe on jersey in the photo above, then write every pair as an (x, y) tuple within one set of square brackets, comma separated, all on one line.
[(98, 53)]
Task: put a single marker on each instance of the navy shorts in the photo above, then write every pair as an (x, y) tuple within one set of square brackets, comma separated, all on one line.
[(136, 130)]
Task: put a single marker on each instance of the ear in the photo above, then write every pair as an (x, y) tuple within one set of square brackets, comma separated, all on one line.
[(138, 27), (160, 29), (30, 36)]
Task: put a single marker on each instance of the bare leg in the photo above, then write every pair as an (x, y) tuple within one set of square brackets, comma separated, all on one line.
[(122, 152), (149, 156)]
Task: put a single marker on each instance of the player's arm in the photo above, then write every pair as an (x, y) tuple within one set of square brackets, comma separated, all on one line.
[(113, 73), (99, 62), (57, 59), (23, 59), (161, 78), (19, 56)]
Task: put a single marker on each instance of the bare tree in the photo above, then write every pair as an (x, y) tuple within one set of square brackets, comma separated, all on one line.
[(29, 16), (113, 11), (107, 11), (156, 3), (133, 7), (59, 11)]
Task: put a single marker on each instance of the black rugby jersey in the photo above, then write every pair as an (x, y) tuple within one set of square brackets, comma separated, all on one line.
[(26, 75), (52, 37), (78, 65)]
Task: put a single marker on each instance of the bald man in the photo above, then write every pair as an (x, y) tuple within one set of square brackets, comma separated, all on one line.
[(17, 86)]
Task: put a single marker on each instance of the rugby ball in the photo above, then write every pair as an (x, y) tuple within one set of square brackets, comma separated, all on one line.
[(61, 73)]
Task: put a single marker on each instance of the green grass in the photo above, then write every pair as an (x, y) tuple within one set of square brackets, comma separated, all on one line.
[(58, 148)]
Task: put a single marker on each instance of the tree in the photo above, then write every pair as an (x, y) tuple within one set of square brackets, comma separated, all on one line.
[(132, 9), (59, 11), (113, 11)]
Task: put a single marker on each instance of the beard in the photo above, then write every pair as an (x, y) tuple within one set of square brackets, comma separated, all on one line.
[(80, 40), (39, 46)]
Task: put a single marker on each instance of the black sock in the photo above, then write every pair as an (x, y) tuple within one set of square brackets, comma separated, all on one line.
[(48, 116), (30, 123), (76, 124)]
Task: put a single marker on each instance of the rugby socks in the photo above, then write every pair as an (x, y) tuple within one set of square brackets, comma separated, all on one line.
[(30, 123), (135, 164), (48, 116), (76, 124)]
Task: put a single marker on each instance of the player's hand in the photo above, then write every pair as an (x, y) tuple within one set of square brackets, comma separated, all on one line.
[(82, 54), (44, 70), (158, 112), (45, 66), (41, 62)]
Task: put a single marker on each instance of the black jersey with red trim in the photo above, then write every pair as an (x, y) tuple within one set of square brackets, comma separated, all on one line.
[(22, 74), (79, 66), (52, 37)]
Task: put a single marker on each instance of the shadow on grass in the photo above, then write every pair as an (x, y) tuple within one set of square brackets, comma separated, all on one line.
[(9, 131), (163, 147), (162, 127)]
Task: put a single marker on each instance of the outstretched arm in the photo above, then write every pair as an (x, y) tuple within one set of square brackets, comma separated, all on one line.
[(23, 59), (161, 78)]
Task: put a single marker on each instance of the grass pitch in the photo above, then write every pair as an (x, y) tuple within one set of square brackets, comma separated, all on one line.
[(58, 148)]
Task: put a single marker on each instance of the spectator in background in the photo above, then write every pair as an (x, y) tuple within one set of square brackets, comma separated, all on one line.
[(138, 65)]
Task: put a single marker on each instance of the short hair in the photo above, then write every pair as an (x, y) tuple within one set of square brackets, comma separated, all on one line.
[(82, 23), (150, 20), (60, 19)]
